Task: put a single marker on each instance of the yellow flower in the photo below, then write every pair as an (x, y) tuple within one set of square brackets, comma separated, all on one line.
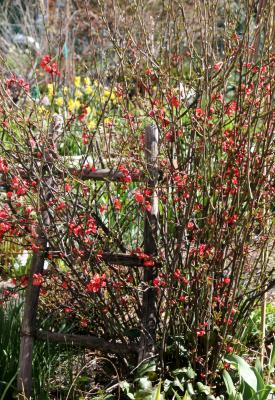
[(91, 124), (109, 94), (65, 90), (41, 110), (73, 105), (59, 101), (88, 90), (77, 81), (108, 121), (106, 93), (87, 81), (50, 89), (78, 93)]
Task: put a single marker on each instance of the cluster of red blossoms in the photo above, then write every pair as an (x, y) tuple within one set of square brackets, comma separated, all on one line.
[(141, 199), (5, 226), (96, 283), (14, 81), (200, 331), (49, 67), (147, 260), (4, 168)]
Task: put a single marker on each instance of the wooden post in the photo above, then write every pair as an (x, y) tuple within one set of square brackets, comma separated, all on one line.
[(149, 314), (24, 380), (28, 327)]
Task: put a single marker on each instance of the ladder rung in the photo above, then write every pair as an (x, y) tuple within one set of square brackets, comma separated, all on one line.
[(90, 342)]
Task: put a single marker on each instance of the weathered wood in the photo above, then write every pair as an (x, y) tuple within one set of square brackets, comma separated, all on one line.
[(24, 380), (28, 326), (107, 174), (89, 342), (149, 313), (122, 259)]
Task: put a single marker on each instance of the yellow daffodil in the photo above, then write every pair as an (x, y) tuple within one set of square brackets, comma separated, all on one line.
[(78, 93), (59, 101), (73, 105), (65, 90), (108, 121), (41, 110), (88, 90), (77, 81), (50, 89), (91, 124), (106, 93), (87, 81), (109, 95)]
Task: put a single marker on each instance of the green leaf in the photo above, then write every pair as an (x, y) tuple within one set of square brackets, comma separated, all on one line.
[(186, 396), (260, 382), (177, 395), (245, 371), (231, 391), (145, 368), (272, 359), (178, 371), (7, 387), (125, 386), (263, 394), (140, 395), (190, 373), (246, 390), (131, 396), (190, 389), (145, 384), (258, 366), (156, 396), (203, 388), (263, 390), (178, 384), (167, 384)]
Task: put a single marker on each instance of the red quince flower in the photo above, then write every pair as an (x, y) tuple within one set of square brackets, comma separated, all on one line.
[(139, 197), (229, 349), (67, 187), (84, 322), (96, 283), (174, 101), (117, 204), (149, 263), (199, 112), (218, 66), (37, 279)]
